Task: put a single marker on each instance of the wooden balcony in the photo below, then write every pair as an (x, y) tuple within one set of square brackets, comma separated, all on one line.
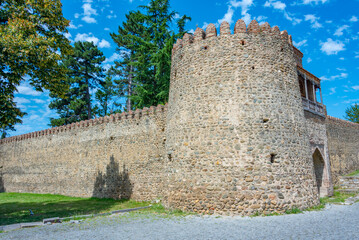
[(313, 107)]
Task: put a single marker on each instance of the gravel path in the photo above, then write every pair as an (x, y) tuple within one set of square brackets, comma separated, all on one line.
[(335, 222)]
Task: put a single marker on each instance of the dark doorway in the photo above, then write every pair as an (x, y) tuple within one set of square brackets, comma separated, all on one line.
[(318, 168)]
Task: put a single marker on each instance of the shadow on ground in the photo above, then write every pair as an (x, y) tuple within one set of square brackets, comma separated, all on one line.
[(113, 184)]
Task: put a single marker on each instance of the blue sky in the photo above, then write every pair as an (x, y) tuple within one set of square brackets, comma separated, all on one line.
[(326, 31)]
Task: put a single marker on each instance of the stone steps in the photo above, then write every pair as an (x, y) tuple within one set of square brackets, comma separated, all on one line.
[(349, 184)]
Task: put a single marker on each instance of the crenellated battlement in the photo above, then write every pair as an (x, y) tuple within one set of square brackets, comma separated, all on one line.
[(240, 27), (137, 114)]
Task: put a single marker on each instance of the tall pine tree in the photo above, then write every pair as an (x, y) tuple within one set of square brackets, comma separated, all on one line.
[(104, 97), (84, 73), (147, 39)]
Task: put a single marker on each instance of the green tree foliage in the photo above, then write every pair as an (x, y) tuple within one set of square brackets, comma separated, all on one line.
[(31, 44), (352, 113), (145, 41), (84, 73), (104, 97)]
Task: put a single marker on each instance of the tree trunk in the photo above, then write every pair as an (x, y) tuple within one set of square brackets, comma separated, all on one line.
[(88, 98), (129, 90)]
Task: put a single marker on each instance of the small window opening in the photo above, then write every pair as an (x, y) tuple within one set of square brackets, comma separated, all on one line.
[(242, 42), (252, 67), (169, 157), (281, 49), (265, 120), (272, 157)]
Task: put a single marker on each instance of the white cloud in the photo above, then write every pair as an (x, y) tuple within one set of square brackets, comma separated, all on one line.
[(353, 19), (341, 58), (294, 20), (88, 12), (89, 19), (84, 37), (313, 20), (89, 37), (332, 47), (339, 31), (301, 43), (104, 44), (233, 4), (21, 100), (34, 117), (77, 15), (314, 1), (351, 101), (27, 90), (106, 29), (111, 15), (332, 78), (332, 90), (107, 66), (309, 60), (68, 35), (113, 58), (275, 4), (38, 100), (228, 17), (356, 88), (278, 5), (72, 26)]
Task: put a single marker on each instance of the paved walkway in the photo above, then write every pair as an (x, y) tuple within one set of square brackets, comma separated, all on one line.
[(335, 222)]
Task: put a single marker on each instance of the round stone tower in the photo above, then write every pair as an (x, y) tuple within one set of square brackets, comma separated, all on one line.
[(236, 140)]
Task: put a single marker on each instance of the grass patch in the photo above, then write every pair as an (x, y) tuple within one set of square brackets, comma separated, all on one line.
[(14, 207), (338, 197), (353, 173), (294, 210)]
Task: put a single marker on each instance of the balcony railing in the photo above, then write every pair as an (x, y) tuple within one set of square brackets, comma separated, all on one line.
[(313, 107)]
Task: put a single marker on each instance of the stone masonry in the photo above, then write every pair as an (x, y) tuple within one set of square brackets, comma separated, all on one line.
[(243, 132)]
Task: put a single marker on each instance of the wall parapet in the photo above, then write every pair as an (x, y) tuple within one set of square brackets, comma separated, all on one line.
[(137, 114), (344, 122), (240, 27)]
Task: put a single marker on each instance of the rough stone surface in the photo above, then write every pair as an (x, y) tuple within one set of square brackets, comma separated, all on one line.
[(343, 139), (118, 159), (233, 106), (234, 139), (317, 131)]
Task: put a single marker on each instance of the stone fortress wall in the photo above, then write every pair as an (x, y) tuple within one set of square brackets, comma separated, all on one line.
[(115, 156), (343, 139), (234, 138)]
